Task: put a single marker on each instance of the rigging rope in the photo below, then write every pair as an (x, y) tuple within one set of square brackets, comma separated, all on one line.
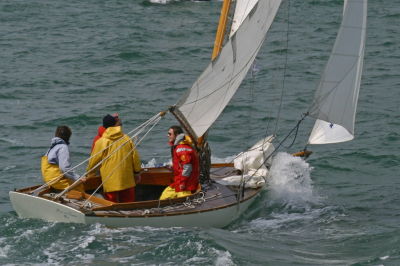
[(251, 92), (284, 69)]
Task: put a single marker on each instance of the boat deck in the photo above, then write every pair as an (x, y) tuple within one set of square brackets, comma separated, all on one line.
[(212, 196)]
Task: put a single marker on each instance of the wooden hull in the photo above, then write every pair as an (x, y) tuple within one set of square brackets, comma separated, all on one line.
[(212, 218), (30, 206), (215, 206)]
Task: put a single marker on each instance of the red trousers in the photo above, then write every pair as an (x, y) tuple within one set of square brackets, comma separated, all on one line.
[(126, 195)]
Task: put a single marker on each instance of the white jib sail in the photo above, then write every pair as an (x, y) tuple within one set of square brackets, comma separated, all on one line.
[(335, 101), (212, 91)]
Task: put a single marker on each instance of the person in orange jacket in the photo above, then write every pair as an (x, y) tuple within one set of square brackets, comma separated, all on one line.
[(185, 165)]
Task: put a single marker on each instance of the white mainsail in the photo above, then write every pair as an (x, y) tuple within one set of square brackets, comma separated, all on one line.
[(335, 101), (212, 91), (242, 9)]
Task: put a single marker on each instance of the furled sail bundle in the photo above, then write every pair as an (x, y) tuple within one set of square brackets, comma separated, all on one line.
[(215, 87), (335, 100)]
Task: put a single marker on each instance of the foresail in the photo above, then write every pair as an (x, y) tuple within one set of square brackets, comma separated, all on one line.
[(212, 91), (324, 133), (336, 98)]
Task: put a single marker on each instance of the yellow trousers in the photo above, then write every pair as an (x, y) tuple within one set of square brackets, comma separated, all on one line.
[(170, 193)]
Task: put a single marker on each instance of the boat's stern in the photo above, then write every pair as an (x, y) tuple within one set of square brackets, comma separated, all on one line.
[(30, 206)]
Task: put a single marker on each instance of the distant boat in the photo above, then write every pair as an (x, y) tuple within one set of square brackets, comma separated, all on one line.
[(227, 189)]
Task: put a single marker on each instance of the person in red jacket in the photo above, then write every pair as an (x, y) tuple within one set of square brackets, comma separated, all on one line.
[(100, 132), (102, 129), (185, 165)]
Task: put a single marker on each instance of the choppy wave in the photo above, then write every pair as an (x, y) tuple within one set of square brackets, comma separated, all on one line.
[(74, 61)]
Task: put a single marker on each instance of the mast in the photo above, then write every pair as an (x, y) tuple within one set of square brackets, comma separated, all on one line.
[(219, 39), (201, 143), (221, 30)]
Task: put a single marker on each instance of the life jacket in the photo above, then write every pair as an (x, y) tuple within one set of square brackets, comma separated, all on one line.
[(183, 153)]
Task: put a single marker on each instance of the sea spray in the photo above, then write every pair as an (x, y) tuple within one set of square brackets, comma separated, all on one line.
[(290, 183)]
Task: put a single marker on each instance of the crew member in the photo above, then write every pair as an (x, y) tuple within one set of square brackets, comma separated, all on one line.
[(185, 164), (101, 130), (120, 162), (56, 162)]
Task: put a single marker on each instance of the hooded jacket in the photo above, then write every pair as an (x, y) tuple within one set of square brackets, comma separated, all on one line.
[(58, 154), (185, 163), (117, 171)]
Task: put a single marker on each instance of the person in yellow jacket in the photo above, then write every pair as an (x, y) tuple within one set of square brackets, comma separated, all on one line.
[(56, 165), (120, 162)]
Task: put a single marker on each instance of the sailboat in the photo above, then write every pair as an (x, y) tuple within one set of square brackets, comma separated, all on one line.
[(227, 190)]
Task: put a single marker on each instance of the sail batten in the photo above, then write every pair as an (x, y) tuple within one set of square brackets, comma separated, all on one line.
[(335, 100), (215, 87)]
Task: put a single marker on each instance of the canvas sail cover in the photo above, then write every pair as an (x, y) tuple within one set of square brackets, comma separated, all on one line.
[(212, 91), (335, 101)]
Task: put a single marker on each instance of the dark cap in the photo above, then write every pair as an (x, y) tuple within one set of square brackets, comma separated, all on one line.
[(109, 121)]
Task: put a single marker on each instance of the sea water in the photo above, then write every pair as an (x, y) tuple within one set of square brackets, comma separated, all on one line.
[(72, 62)]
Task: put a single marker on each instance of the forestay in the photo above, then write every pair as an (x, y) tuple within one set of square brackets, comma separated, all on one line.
[(335, 101), (212, 91)]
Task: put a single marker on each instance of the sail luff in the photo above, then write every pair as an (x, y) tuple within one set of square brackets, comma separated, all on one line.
[(212, 91), (335, 101)]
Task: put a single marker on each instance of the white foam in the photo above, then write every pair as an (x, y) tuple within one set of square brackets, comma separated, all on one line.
[(12, 141), (86, 241), (281, 220), (28, 233), (224, 258), (52, 256), (228, 159), (290, 182), (9, 167), (153, 163), (159, 1), (5, 249), (86, 258)]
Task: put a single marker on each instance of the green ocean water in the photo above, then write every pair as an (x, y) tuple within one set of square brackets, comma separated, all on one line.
[(72, 62)]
